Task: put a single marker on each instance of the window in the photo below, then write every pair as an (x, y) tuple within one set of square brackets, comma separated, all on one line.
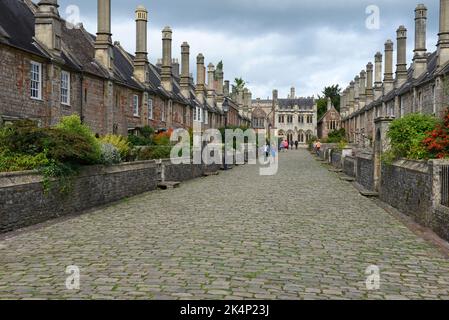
[(65, 88), (36, 80), (163, 112), (309, 119), (136, 105), (281, 119), (150, 109), (289, 119), (301, 119)]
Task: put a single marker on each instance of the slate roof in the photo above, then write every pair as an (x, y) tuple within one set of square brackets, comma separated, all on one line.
[(303, 103)]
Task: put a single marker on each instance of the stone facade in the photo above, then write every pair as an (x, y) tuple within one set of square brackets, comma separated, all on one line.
[(420, 88), (329, 122), (293, 119), (112, 90)]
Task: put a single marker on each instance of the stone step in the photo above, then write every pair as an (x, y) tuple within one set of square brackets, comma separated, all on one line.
[(347, 178), (336, 170), (168, 185), (364, 192), (208, 174)]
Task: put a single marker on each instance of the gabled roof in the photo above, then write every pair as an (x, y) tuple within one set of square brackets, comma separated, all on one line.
[(303, 103)]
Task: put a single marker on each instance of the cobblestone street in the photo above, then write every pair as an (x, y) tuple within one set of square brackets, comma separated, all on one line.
[(302, 234)]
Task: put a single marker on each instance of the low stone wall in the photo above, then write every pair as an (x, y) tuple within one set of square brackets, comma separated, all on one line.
[(336, 158), (365, 171), (407, 186), (349, 166), (23, 201)]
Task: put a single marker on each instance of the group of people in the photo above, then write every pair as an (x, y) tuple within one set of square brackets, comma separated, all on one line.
[(285, 145)]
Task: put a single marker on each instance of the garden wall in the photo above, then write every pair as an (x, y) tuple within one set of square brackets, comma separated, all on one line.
[(23, 201), (365, 171), (407, 186), (349, 166)]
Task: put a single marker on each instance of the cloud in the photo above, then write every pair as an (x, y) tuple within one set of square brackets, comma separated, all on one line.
[(271, 43)]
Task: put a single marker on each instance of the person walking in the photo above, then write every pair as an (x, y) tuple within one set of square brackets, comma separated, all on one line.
[(318, 147), (266, 151), (296, 144)]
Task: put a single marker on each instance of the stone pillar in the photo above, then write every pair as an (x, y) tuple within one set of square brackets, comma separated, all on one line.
[(388, 75), (356, 93), (362, 89), (378, 76), (141, 59), (226, 88), (401, 67), (369, 83), (200, 78), (185, 70), (443, 36), (166, 72), (48, 27), (420, 58), (103, 42)]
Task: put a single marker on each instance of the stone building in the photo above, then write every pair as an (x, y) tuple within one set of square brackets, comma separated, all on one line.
[(329, 122), (49, 69), (420, 87), (293, 118)]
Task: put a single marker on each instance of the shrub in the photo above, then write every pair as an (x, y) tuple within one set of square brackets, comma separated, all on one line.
[(144, 137), (407, 134), (120, 143), (336, 136), (72, 124), (163, 138), (436, 142), (154, 153), (10, 162), (110, 154)]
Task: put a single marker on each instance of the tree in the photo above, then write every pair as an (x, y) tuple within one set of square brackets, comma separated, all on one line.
[(332, 92), (239, 84)]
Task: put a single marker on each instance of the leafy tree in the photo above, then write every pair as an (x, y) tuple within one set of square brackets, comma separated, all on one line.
[(332, 92), (239, 84)]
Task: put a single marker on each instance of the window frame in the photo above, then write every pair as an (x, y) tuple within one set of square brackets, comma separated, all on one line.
[(39, 81), (136, 111), (150, 108), (68, 93)]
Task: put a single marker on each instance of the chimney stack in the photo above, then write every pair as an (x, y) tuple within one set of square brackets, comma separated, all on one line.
[(401, 67), (362, 89), (141, 59), (357, 93), (166, 73), (185, 73), (103, 42), (329, 104), (378, 76), (219, 75), (200, 78), (420, 58), (48, 26), (226, 89), (369, 83), (292, 93), (351, 97), (388, 75), (175, 68), (210, 84), (443, 36)]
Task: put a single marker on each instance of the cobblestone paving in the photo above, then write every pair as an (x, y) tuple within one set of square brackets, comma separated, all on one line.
[(302, 234)]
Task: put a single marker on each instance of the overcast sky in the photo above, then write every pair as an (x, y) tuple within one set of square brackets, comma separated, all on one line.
[(270, 43)]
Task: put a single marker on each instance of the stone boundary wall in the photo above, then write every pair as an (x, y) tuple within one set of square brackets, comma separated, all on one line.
[(349, 166), (336, 158), (407, 186), (23, 201), (365, 171)]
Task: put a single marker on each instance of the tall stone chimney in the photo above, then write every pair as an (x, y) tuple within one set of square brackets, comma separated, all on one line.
[(185, 70), (226, 88), (175, 68), (141, 59), (357, 93), (351, 97), (292, 93), (388, 75), (219, 77), (329, 104), (48, 26), (211, 83), (401, 67), (443, 36), (103, 42), (369, 83), (420, 58), (166, 73), (378, 59), (362, 90), (200, 78)]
